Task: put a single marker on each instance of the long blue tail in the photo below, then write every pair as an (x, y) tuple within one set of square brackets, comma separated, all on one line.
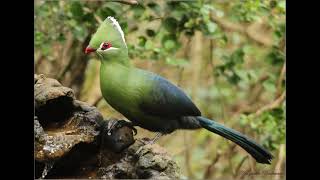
[(255, 150)]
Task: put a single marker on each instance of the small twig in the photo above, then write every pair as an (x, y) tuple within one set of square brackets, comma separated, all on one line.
[(230, 152), (39, 61), (128, 2), (257, 89), (281, 77), (242, 175), (211, 54), (281, 158), (248, 31), (211, 166), (156, 18), (181, 69), (186, 55), (240, 165), (65, 56), (253, 164), (187, 155), (98, 19), (271, 105), (229, 26), (66, 69)]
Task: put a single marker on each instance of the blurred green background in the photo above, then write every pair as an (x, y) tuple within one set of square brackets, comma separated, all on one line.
[(229, 56)]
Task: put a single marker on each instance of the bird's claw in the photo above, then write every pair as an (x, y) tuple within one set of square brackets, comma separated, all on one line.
[(149, 142), (138, 151), (122, 123)]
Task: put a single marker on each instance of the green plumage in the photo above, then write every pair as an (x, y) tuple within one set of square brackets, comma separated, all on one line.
[(132, 91), (150, 101), (123, 86)]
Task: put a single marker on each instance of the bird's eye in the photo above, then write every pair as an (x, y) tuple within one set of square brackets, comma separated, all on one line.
[(105, 46)]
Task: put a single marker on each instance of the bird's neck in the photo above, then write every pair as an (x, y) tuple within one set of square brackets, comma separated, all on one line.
[(118, 60)]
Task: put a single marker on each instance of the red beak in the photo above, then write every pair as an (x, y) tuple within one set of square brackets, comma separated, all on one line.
[(89, 50)]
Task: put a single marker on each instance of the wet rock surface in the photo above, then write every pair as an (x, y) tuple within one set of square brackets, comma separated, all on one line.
[(73, 141)]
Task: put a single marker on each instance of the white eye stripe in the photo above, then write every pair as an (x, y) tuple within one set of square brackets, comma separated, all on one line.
[(109, 49), (100, 47)]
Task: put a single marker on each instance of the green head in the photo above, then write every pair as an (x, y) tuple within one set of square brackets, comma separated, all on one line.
[(108, 41)]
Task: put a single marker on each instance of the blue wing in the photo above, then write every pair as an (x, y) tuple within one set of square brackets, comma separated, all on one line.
[(167, 100)]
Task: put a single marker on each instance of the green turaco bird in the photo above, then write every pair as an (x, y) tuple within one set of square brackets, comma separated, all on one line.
[(149, 100)]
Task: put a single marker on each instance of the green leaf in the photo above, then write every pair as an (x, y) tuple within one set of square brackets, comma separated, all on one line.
[(150, 32), (61, 37), (282, 6), (170, 24), (169, 44), (234, 78), (39, 38), (243, 120), (190, 23), (168, 37), (269, 86), (155, 7), (178, 14), (124, 26), (79, 33), (88, 17), (142, 41), (238, 56), (176, 62), (275, 57), (76, 10), (106, 11), (149, 45), (212, 27), (138, 10), (206, 9)]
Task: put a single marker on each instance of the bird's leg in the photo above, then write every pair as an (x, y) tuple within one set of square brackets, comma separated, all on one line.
[(153, 140), (158, 135), (122, 123)]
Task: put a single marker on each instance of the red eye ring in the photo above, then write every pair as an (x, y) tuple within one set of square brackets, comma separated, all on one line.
[(106, 46)]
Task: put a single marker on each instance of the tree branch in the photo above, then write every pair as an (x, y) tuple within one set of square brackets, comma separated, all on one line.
[(249, 31), (209, 169), (281, 77), (187, 146), (240, 165), (128, 2), (281, 158), (271, 105), (256, 90)]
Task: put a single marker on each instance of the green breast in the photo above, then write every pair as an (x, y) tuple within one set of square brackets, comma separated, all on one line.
[(122, 87)]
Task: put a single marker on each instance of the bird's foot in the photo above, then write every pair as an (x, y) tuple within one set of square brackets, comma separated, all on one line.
[(138, 151), (119, 124), (152, 141)]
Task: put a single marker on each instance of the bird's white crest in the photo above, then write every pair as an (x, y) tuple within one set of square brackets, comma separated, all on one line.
[(117, 26)]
